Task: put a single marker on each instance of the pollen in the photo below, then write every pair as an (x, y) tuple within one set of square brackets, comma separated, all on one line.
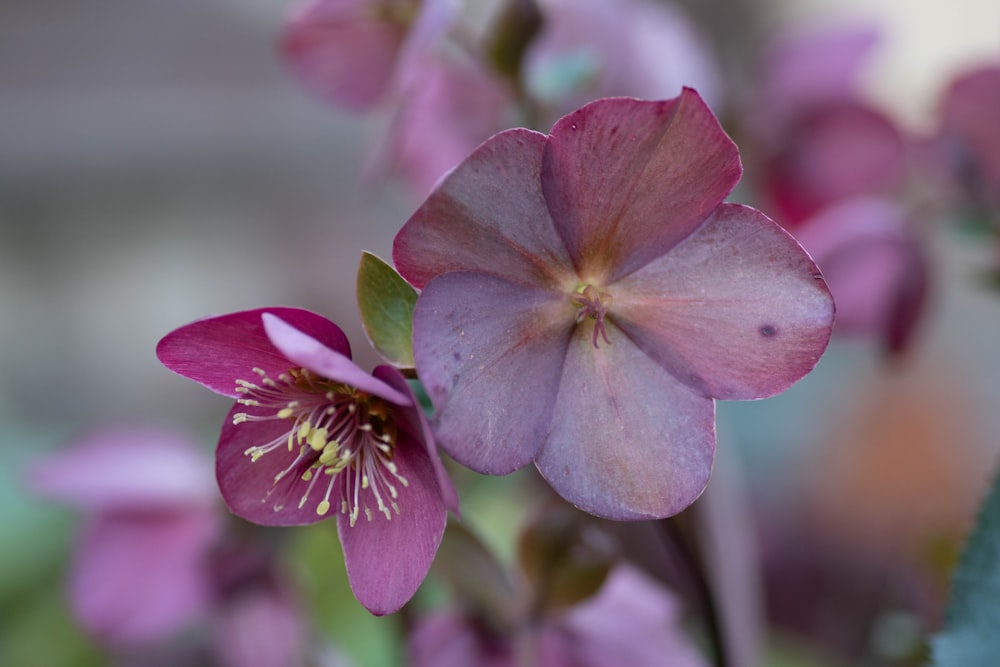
[(338, 448)]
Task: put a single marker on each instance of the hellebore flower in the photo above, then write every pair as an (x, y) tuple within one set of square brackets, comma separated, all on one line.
[(969, 110), (632, 620), (139, 572), (311, 434), (586, 295)]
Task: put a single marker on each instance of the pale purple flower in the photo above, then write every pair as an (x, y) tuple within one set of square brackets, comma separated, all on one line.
[(603, 48), (586, 295), (311, 435), (631, 621)]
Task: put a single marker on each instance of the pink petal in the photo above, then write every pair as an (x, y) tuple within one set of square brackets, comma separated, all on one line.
[(259, 628), (487, 215), (626, 180), (489, 353), (248, 486), (343, 50), (127, 468), (141, 577), (450, 640), (218, 351), (970, 109), (736, 311), (627, 440), (388, 559), (304, 350), (412, 420)]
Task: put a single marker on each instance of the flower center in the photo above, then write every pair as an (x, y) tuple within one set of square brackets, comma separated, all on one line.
[(336, 432), (593, 303)]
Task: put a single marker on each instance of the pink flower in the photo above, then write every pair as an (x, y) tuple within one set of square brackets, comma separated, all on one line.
[(631, 621), (351, 52), (313, 435), (150, 507), (586, 295), (970, 110)]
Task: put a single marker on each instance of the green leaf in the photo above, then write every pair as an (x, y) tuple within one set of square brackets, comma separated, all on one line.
[(970, 635), (386, 302)]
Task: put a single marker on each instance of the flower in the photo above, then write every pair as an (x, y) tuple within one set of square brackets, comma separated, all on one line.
[(969, 109), (632, 620), (312, 434), (351, 52), (150, 506), (586, 295)]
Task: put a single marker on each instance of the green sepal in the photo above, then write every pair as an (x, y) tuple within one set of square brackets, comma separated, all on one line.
[(386, 303)]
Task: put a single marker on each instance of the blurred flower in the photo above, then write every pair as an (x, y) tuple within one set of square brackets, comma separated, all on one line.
[(586, 295), (350, 52), (311, 432), (632, 621), (824, 142), (447, 108), (875, 266), (154, 558), (604, 48), (970, 134)]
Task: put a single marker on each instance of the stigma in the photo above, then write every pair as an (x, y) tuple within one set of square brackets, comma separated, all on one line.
[(339, 445), (593, 303)]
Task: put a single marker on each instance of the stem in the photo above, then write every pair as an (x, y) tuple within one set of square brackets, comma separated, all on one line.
[(680, 532)]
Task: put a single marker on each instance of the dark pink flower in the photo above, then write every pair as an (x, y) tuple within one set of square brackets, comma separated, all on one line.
[(875, 265), (631, 621), (970, 110), (311, 435), (151, 517), (586, 295)]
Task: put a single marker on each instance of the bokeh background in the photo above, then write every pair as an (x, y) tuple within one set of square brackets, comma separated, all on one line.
[(158, 164)]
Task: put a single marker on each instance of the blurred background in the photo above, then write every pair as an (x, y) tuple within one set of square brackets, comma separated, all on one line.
[(159, 163)]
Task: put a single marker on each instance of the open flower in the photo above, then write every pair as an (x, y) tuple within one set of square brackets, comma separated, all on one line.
[(586, 295), (312, 435)]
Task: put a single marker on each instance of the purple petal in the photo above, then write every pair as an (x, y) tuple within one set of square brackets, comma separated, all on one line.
[(626, 180), (489, 353), (259, 628), (412, 420), (308, 352), (127, 468), (248, 486), (139, 577), (451, 640), (388, 559), (736, 311), (487, 215), (627, 440), (218, 351)]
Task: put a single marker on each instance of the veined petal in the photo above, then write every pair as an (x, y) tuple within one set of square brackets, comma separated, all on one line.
[(388, 559), (304, 350), (626, 180), (489, 352), (487, 215), (218, 351), (736, 311), (412, 419), (249, 487), (627, 440)]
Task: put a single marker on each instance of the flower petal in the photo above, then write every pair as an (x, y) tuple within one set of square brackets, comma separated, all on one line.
[(487, 215), (489, 353), (736, 311), (305, 350), (140, 577), (217, 351), (388, 559), (412, 420), (126, 468), (626, 180), (248, 486), (627, 440)]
